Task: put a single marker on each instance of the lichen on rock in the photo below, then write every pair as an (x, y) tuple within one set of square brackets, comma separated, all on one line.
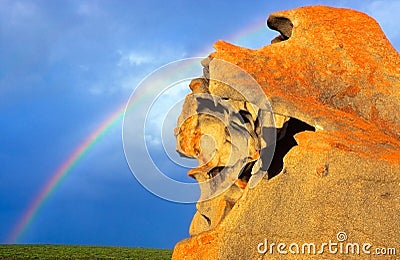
[(325, 152)]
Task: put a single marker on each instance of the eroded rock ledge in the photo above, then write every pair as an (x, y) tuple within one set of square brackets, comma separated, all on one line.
[(333, 81)]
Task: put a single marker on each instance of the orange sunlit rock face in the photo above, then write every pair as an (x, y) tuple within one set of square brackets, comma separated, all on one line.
[(334, 70), (190, 137)]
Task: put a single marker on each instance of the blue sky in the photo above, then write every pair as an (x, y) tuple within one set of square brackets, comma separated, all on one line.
[(65, 67)]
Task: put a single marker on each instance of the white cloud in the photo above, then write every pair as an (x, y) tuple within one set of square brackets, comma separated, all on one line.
[(134, 65), (153, 141), (130, 69), (167, 102), (163, 115), (135, 58), (159, 54), (138, 59)]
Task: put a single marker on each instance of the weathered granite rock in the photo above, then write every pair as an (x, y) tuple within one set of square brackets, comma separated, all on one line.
[(333, 81)]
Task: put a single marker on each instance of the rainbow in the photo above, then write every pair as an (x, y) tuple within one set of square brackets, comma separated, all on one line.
[(62, 172), (82, 149)]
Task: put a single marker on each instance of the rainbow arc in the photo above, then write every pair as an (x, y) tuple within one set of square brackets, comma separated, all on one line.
[(83, 148)]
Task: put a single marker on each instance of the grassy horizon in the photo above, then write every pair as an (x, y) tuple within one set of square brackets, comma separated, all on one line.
[(44, 251)]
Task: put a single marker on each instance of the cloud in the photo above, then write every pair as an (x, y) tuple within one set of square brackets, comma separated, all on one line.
[(152, 141), (165, 109), (83, 46), (157, 55), (136, 58), (133, 65)]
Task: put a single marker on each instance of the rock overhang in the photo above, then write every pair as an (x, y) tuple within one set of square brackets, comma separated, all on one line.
[(333, 72)]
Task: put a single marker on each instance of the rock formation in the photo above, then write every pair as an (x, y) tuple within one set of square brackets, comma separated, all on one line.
[(332, 80)]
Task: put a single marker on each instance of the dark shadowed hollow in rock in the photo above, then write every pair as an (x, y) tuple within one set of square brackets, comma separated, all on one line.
[(281, 24), (285, 142)]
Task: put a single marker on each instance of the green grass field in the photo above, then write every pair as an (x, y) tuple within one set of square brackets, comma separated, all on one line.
[(80, 252)]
